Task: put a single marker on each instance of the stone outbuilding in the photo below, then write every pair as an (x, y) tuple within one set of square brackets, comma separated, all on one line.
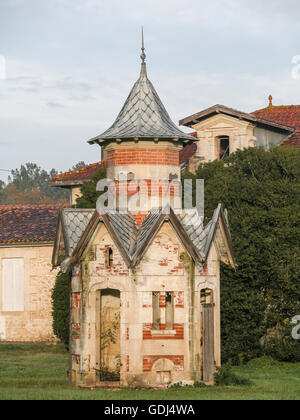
[(27, 234), (144, 285)]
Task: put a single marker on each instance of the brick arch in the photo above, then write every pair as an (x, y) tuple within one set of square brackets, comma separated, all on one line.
[(149, 361), (163, 365)]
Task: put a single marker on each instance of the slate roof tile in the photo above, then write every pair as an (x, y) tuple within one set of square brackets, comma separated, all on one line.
[(143, 115)]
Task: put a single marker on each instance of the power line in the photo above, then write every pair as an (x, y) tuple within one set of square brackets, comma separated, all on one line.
[(5, 170)]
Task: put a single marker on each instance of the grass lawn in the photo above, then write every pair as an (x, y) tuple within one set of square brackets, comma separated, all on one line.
[(34, 372)]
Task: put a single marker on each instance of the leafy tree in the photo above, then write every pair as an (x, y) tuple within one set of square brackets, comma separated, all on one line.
[(78, 165), (261, 191), (2, 192), (31, 177), (29, 185), (89, 196)]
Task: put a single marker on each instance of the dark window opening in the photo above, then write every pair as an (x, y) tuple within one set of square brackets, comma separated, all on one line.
[(109, 257), (224, 147), (169, 311), (156, 310)]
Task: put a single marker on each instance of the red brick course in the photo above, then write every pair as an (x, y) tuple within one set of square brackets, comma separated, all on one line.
[(139, 218), (146, 187), (143, 157), (179, 328)]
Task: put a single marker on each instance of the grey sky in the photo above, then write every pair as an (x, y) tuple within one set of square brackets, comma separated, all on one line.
[(71, 63)]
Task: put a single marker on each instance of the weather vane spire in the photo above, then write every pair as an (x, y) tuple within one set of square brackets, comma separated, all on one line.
[(143, 55)]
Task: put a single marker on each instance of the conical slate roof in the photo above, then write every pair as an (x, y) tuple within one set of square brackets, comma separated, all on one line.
[(143, 116)]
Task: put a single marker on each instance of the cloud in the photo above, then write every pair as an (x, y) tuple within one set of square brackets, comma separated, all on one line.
[(70, 73)]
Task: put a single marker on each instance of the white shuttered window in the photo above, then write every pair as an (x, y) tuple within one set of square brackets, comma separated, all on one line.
[(13, 285)]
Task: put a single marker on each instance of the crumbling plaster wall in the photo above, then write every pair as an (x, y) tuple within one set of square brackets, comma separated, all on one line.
[(163, 268)]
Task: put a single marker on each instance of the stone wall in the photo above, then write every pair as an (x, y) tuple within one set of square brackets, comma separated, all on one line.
[(35, 323), (240, 133), (148, 358)]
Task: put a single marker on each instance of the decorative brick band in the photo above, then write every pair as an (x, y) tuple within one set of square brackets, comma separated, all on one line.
[(148, 328), (149, 360), (147, 187), (139, 218), (143, 157)]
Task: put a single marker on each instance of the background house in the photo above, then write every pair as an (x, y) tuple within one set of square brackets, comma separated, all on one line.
[(221, 131), (26, 277)]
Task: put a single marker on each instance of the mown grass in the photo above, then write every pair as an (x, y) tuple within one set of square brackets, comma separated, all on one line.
[(36, 372)]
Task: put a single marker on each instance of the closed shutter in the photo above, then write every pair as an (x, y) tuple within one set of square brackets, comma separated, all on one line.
[(13, 285)]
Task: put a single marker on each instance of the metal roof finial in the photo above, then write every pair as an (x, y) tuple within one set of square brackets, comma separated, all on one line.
[(143, 55)]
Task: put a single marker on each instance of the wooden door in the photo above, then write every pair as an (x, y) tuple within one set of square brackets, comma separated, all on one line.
[(208, 343), (110, 350)]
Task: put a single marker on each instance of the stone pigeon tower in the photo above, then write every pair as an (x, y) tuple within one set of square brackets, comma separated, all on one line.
[(143, 144)]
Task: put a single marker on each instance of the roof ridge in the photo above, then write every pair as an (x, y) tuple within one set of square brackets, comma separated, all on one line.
[(277, 107), (79, 170), (32, 205)]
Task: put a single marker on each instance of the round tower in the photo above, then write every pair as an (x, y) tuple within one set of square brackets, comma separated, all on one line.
[(142, 148)]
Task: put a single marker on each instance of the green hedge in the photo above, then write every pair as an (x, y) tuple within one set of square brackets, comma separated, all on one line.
[(61, 308), (261, 191)]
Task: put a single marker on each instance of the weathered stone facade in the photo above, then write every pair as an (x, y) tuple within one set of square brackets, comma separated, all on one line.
[(145, 289), (34, 323), (148, 357)]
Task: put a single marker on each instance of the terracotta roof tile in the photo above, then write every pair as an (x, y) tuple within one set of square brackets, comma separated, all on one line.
[(187, 152), (28, 223), (286, 115), (81, 175)]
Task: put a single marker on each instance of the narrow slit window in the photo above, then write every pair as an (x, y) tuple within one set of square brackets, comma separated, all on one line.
[(169, 310), (156, 310), (109, 257)]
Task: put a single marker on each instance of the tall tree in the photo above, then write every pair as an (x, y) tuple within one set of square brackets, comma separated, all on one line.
[(261, 191), (78, 165), (2, 191), (31, 177), (88, 190)]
